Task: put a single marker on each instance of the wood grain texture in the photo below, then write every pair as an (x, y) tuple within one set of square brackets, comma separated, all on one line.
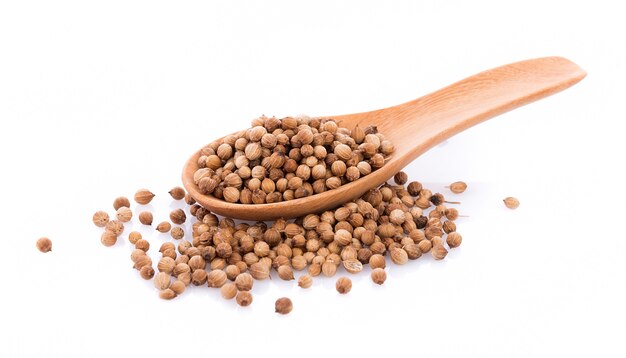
[(414, 127)]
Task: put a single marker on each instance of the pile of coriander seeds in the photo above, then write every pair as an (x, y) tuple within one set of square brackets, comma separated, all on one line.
[(394, 223), (284, 159)]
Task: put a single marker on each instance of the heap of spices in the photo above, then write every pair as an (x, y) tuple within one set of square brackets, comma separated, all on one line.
[(44, 245), (290, 158), (283, 305), (395, 222), (511, 202)]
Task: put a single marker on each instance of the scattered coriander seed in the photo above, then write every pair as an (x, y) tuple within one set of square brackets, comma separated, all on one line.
[(216, 278), (134, 236), (305, 281), (343, 285), (400, 178), (146, 272), (457, 187), (511, 202), (229, 291), (178, 217), (142, 261), (377, 261), (167, 294), (162, 280), (244, 298), (285, 272), (178, 287), (143, 196), (283, 305), (177, 233), (143, 245), (115, 226), (454, 239), (145, 217), (379, 276), (244, 282), (164, 227), (121, 201), (177, 193), (45, 245), (100, 218), (399, 256), (124, 214), (439, 252), (108, 238)]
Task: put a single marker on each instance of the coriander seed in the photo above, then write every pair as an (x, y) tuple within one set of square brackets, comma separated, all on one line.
[(146, 272), (285, 272), (100, 218), (134, 236), (511, 202), (167, 294), (343, 285), (457, 187), (305, 281), (124, 214), (244, 298), (145, 217), (177, 193), (439, 252), (244, 282), (162, 280), (178, 287), (283, 305), (228, 291), (121, 201), (108, 238), (379, 276), (164, 227), (454, 239), (45, 245), (143, 196), (178, 216)]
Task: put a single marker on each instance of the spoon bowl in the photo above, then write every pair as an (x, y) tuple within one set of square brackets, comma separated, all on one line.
[(413, 128)]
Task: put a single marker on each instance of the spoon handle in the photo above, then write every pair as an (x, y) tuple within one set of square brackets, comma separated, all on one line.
[(429, 120)]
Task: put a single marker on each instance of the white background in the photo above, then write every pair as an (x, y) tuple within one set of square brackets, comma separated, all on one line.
[(100, 99)]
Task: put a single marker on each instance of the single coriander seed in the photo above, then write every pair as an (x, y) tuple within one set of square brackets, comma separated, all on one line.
[(305, 281), (379, 276), (44, 245), (511, 202), (124, 214), (283, 305), (244, 298), (457, 187), (143, 196), (100, 218), (177, 193), (145, 217), (121, 201), (343, 285), (164, 227), (229, 291)]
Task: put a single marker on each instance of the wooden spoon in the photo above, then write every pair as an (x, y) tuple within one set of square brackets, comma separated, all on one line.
[(414, 127)]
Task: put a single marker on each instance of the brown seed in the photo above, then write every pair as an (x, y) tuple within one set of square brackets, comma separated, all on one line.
[(329, 268), (229, 291), (178, 287), (100, 218), (167, 294), (377, 261), (305, 281), (511, 202), (259, 271), (199, 277), (216, 278), (108, 238), (115, 226), (164, 227), (244, 282), (145, 217), (400, 178), (399, 256), (379, 276), (166, 264), (458, 187), (244, 298), (143, 196), (439, 252), (143, 245), (162, 280), (124, 214), (146, 272), (285, 272), (45, 245), (142, 261), (178, 217), (177, 193), (353, 265), (343, 285), (283, 305), (454, 239), (177, 233), (134, 236), (120, 202)]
